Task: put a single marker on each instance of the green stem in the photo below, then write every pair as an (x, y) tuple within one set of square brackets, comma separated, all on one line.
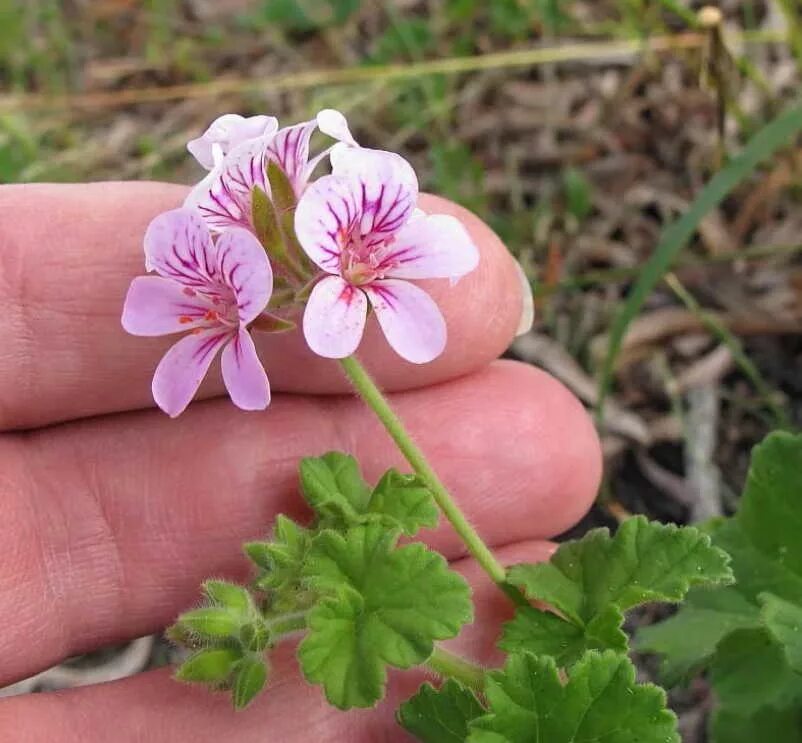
[(377, 402), (286, 624), (449, 665)]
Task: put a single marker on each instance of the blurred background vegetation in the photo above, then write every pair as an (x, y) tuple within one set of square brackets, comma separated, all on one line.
[(580, 129)]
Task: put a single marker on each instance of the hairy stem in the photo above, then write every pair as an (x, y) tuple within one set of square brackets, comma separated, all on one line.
[(286, 624), (377, 402), (449, 665)]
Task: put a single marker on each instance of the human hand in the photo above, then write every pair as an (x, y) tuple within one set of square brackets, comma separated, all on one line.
[(113, 514)]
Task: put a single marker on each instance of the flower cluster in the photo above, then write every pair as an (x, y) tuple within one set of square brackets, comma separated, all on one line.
[(258, 240)]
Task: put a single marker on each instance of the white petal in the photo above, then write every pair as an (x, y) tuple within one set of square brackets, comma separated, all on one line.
[(334, 319), (386, 184), (183, 368), (243, 266), (157, 306), (433, 246), (324, 217), (289, 149), (410, 319), (178, 246), (333, 124), (228, 131), (223, 198), (243, 373)]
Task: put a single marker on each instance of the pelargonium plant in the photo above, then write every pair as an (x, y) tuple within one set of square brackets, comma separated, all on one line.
[(275, 237)]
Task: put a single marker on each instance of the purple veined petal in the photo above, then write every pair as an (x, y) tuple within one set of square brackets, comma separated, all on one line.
[(243, 373), (243, 266), (333, 124), (157, 306), (410, 319), (334, 319), (433, 246), (324, 219), (386, 184), (289, 149), (178, 246), (228, 131), (223, 198), (183, 367)]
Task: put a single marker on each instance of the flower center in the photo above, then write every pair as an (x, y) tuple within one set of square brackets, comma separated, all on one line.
[(221, 310), (362, 260)]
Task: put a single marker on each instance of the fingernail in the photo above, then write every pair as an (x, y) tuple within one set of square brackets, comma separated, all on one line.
[(527, 303)]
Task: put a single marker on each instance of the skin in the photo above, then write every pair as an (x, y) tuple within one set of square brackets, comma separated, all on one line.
[(113, 514)]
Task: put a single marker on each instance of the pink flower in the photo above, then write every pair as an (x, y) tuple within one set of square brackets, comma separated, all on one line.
[(214, 290), (225, 133), (360, 225), (224, 197)]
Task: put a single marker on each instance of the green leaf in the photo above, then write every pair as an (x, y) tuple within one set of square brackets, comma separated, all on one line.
[(599, 702), (384, 606), (255, 635), (750, 671), (591, 582), (212, 622), (266, 224), (770, 513), (404, 501), (775, 135), (249, 680), (440, 715), (767, 724), (748, 633), (210, 666), (281, 561), (280, 188), (689, 639), (564, 641), (334, 487), (229, 595), (784, 621)]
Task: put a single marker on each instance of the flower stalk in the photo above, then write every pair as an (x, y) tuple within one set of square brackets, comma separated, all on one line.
[(378, 403), (451, 665)]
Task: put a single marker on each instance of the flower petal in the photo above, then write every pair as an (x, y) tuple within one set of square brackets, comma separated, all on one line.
[(228, 131), (289, 149), (242, 265), (223, 198), (333, 124), (386, 186), (157, 306), (324, 217), (334, 319), (178, 246), (410, 319), (183, 367), (433, 246), (243, 373)]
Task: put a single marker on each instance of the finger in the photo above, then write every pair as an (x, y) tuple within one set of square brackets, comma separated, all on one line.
[(69, 253), (109, 527), (155, 706)]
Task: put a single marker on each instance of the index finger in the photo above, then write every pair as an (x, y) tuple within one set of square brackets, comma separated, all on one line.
[(68, 253)]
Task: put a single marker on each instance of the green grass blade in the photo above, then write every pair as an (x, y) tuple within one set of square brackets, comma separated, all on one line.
[(733, 343), (763, 145), (683, 11)]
